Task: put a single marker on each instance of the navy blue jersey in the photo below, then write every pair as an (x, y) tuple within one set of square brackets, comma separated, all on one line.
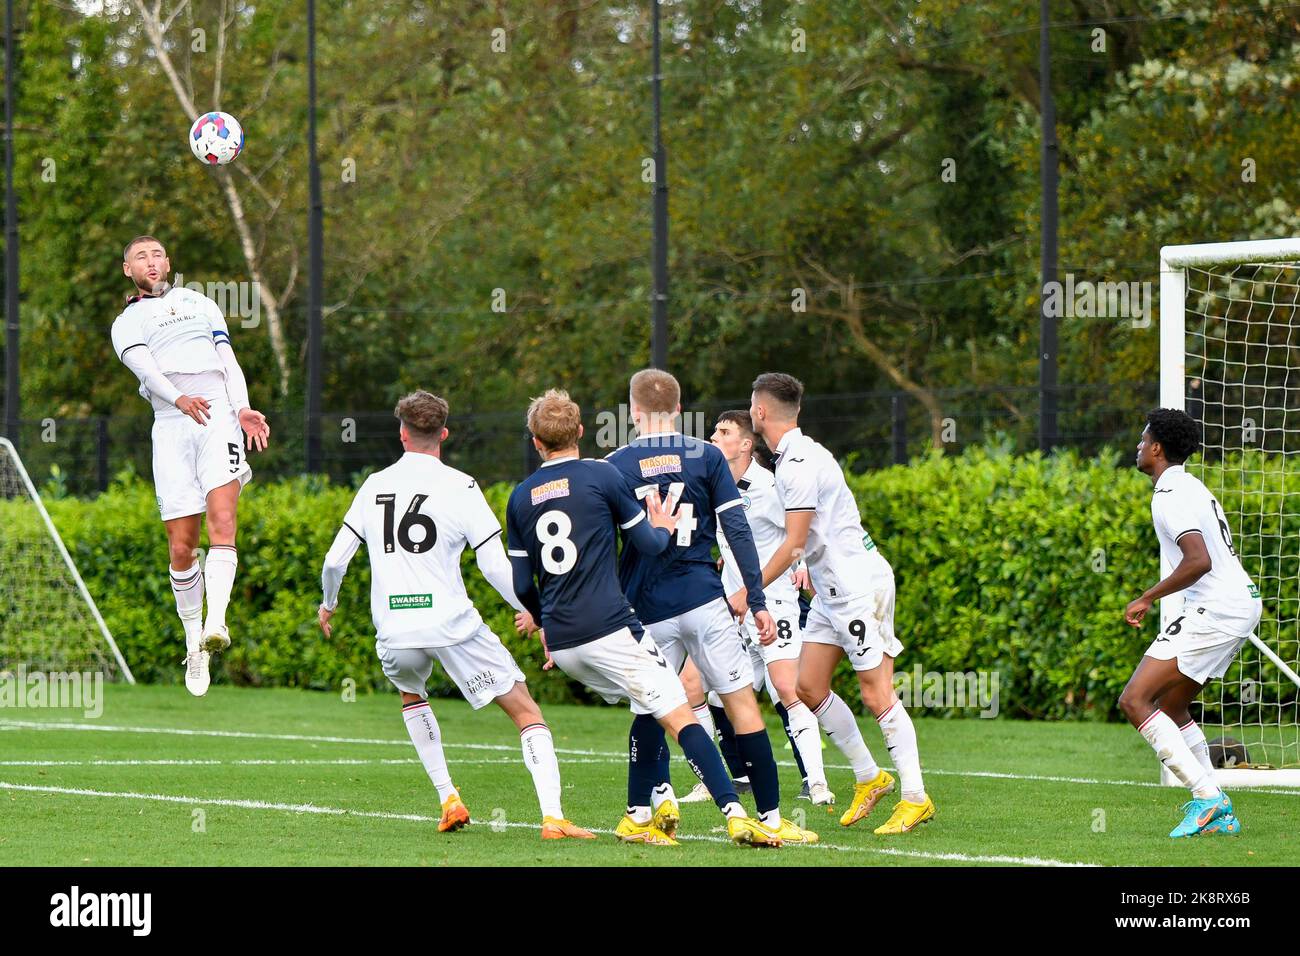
[(685, 576), (560, 525)]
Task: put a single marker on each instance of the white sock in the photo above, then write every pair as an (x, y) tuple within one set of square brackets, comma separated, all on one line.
[(705, 717), (219, 573), (1194, 737), (187, 588), (807, 736), (640, 815), (539, 757), (734, 810), (1163, 736), (771, 819), (900, 738), (662, 793), (427, 737), (840, 726)]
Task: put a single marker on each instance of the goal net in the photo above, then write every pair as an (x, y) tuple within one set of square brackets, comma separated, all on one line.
[(1230, 357), (48, 621)]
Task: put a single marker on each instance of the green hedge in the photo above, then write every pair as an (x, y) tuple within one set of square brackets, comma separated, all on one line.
[(1015, 564), (285, 528)]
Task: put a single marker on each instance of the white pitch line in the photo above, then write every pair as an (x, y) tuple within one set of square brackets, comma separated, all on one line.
[(421, 818), (288, 762), (614, 756), (254, 735)]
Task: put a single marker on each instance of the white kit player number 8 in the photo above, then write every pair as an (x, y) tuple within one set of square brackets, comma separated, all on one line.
[(412, 519), (553, 530)]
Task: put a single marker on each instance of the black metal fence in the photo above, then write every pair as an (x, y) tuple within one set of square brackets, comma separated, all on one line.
[(81, 456)]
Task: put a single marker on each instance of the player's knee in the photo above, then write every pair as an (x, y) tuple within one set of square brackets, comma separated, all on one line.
[(785, 687), (181, 554), (811, 693), (221, 526), (1133, 704)]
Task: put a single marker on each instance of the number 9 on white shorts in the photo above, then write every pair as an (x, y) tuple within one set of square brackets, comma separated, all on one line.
[(863, 627)]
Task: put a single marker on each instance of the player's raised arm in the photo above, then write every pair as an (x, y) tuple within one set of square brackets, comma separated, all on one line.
[(337, 559), (252, 421)]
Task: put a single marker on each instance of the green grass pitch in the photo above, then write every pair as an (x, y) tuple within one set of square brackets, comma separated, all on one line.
[(284, 777)]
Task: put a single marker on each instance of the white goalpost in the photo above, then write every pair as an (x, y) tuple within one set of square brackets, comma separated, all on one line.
[(1230, 357), (48, 620)]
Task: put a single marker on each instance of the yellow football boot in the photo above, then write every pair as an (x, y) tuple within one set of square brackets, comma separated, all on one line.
[(667, 817), (908, 816), (454, 814), (747, 832), (788, 832), (865, 797), (555, 828), (629, 831)]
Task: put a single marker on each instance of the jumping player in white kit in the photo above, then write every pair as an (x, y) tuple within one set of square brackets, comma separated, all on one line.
[(1221, 608), (416, 517), (178, 345)]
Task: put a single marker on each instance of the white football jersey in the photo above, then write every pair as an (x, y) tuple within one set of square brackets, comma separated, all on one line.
[(1225, 595), (181, 329), (766, 519), (416, 517), (842, 559)]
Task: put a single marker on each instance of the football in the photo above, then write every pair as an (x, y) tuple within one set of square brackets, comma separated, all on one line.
[(216, 138)]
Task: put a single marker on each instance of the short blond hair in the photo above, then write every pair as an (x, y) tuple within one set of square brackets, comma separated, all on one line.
[(554, 419), (424, 415), (655, 391)]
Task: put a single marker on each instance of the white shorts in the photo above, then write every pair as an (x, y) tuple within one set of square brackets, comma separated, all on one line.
[(1202, 652), (619, 667), (480, 666), (862, 626), (789, 636), (190, 460), (710, 636)]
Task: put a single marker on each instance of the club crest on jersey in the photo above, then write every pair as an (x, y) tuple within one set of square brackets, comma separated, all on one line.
[(660, 465), (559, 488)]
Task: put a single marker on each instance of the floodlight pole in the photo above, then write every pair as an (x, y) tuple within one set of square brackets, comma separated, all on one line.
[(315, 329), (12, 398), (1047, 345), (659, 334)]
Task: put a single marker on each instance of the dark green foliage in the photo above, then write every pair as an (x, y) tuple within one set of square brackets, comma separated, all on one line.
[(1016, 564)]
